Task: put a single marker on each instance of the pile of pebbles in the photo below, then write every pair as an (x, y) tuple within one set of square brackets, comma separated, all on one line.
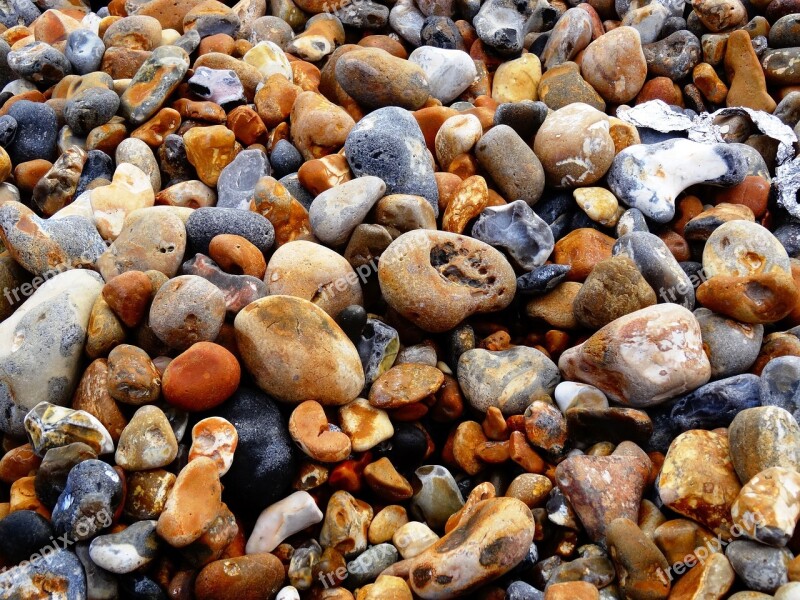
[(384, 300)]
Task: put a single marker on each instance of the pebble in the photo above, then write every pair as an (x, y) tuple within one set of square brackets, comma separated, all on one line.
[(527, 238), (511, 163), (153, 82), (147, 442), (204, 224), (24, 532), (615, 65), (336, 212), (126, 551), (449, 72), (683, 368), (761, 568), (282, 520), (61, 574), (237, 181), (280, 362), (778, 383), (238, 576), (201, 378), (199, 315), (92, 493), (763, 437)]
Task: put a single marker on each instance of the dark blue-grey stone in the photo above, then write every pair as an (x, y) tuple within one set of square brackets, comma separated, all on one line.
[(527, 563), (89, 500), (100, 584), (441, 32), (789, 237), (369, 564), (664, 428), (732, 347), (285, 159), (18, 12), (6, 74), (389, 144), (658, 266), (651, 136), (553, 204), (539, 44), (673, 24), (263, 465), (780, 384), (715, 404), (352, 321), (761, 568), (37, 130), (541, 279), (524, 117), (23, 533), (90, 108), (189, 41), (59, 569), (693, 271), (140, 587), (519, 230), (40, 63), (51, 477), (8, 129), (459, 340), (84, 51), (237, 181), (673, 56), (364, 14), (519, 590), (98, 165), (377, 341), (206, 223), (406, 449), (292, 183), (562, 225)]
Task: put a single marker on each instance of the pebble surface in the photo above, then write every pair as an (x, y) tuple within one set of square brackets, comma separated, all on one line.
[(420, 299)]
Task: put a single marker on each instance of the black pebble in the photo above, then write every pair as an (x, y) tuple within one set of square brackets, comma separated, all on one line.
[(542, 279), (352, 320), (206, 223), (98, 165), (24, 533), (140, 587)]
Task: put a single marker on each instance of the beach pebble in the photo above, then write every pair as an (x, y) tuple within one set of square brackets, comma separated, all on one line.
[(615, 65), (185, 310), (515, 227), (511, 163), (126, 551), (448, 71), (90, 498), (763, 437), (147, 442), (282, 520), (337, 211)]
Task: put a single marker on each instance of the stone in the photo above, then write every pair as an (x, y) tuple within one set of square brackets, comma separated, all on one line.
[(413, 538), (36, 131), (614, 64), (712, 578), (376, 79), (716, 404), (635, 180), (346, 523), (766, 509), (761, 568), (454, 566), (405, 384), (44, 246), (457, 135), (747, 85), (39, 62), (738, 258), (614, 288), (518, 375), (237, 181), (239, 577), (638, 561), (210, 150), (54, 321), (152, 84), (586, 482), (57, 187), (702, 490), (600, 205), (237, 290), (377, 343), (281, 520), (556, 307), (84, 50), (147, 442), (674, 56), (150, 239), (193, 504), (147, 493), (779, 383), (763, 437), (185, 310), (51, 477), (92, 493), (511, 164), (132, 377), (279, 338), (527, 238), (502, 25), (449, 72), (542, 279), (632, 338), (201, 378), (123, 552), (572, 33), (129, 190), (204, 224), (320, 127), (24, 532), (61, 574), (336, 212)]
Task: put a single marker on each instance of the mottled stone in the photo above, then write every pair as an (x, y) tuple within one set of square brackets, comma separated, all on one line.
[(155, 80)]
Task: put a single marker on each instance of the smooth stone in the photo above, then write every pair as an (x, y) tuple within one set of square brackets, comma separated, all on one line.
[(515, 227), (766, 509), (525, 117), (237, 290), (90, 108), (37, 129), (650, 177), (449, 72), (698, 480), (336, 212), (98, 165), (23, 533), (658, 267), (715, 404), (237, 181), (370, 564), (780, 384), (572, 33), (151, 239), (47, 247), (542, 279), (126, 551), (436, 495), (732, 346), (763, 437), (205, 224), (759, 567), (84, 50), (147, 442), (485, 544), (462, 276), (407, 21), (506, 379), (50, 426), (129, 190), (152, 84), (39, 62), (388, 143), (185, 310), (89, 500), (48, 329), (280, 339), (502, 24), (614, 65), (378, 345), (218, 86), (281, 520), (673, 56), (346, 524), (511, 164), (628, 341)]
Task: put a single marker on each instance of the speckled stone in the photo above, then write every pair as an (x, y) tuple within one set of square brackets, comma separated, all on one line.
[(763, 437)]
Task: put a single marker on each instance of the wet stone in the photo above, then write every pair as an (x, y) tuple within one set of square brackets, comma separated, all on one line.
[(89, 500)]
